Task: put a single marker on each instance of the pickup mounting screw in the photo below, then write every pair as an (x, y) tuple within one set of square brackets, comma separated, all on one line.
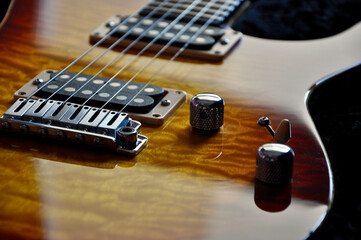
[(97, 141), (38, 81), (43, 132), (61, 135), (24, 128), (6, 125), (79, 137), (224, 41), (111, 24), (166, 102)]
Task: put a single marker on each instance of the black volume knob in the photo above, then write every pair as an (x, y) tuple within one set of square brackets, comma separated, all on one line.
[(206, 112), (274, 163)]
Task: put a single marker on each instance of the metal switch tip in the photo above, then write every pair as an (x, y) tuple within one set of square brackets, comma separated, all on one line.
[(206, 112)]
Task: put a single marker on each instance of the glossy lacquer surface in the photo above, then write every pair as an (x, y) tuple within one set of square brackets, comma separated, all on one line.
[(183, 185)]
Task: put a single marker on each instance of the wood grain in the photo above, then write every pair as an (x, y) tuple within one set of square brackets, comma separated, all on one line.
[(183, 185)]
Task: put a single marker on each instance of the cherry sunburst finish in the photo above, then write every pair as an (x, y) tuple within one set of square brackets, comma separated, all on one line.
[(183, 185)]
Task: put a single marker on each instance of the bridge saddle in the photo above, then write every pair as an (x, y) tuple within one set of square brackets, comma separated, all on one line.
[(74, 123)]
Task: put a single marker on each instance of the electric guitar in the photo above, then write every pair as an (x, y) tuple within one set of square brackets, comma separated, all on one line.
[(71, 179)]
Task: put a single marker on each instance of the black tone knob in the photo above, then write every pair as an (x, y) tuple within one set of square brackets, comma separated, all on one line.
[(274, 163), (206, 112)]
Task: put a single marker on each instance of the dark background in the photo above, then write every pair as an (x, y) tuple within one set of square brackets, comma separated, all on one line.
[(335, 106), (297, 19), (3, 7)]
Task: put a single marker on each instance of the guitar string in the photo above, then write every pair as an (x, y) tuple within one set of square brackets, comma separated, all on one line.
[(166, 46), (129, 47), (93, 47), (135, 57), (106, 51), (111, 47), (162, 50), (195, 35), (193, 20), (153, 12)]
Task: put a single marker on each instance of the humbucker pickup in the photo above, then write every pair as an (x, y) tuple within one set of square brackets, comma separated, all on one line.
[(154, 105), (161, 7), (204, 41), (211, 44)]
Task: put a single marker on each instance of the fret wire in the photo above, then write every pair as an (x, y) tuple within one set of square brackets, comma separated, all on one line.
[(154, 57), (174, 22), (195, 35), (121, 54), (101, 55)]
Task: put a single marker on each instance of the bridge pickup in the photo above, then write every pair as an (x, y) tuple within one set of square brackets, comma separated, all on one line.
[(114, 131), (105, 90), (148, 107), (212, 44)]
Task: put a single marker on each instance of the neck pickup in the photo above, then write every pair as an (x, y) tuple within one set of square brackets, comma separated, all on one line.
[(174, 8), (151, 35)]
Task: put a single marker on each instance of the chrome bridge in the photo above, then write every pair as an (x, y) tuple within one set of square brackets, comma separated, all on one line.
[(74, 123)]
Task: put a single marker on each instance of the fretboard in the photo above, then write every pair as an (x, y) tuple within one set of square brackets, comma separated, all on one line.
[(227, 6)]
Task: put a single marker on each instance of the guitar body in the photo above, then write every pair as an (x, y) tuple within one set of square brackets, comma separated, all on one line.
[(183, 185)]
